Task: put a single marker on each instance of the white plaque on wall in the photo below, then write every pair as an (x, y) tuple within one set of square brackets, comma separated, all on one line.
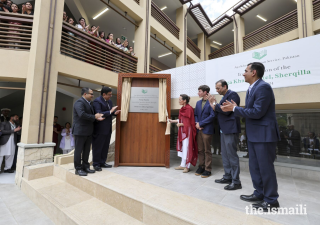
[(144, 100)]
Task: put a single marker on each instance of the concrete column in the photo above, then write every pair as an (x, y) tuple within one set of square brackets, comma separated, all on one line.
[(142, 38), (208, 48), (305, 18), (239, 33), (181, 22), (41, 84), (202, 45)]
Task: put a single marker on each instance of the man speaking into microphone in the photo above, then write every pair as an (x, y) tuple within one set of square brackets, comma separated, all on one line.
[(263, 134)]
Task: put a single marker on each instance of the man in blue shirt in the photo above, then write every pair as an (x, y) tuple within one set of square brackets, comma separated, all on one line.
[(204, 116)]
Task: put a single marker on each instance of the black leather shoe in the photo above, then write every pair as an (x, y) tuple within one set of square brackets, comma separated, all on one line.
[(199, 171), (106, 166), (8, 171), (206, 174), (81, 173), (232, 187), (88, 170), (266, 206), (223, 181), (250, 198), (97, 168)]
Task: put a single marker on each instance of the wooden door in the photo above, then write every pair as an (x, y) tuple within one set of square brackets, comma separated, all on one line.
[(141, 141)]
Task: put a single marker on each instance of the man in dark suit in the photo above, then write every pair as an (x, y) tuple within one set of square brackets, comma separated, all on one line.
[(5, 114), (229, 129), (83, 118), (102, 130), (8, 142), (204, 115), (311, 142), (263, 134), (294, 141)]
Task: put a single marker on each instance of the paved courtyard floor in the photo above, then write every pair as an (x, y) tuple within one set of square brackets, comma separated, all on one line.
[(16, 207), (292, 191)]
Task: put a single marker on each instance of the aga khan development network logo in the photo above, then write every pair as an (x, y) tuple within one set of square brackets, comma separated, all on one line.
[(259, 55), (144, 91)]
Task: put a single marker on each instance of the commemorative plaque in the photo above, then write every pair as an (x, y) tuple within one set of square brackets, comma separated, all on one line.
[(144, 100)]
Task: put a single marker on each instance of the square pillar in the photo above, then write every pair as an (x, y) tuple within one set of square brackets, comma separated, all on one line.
[(305, 18), (239, 33), (181, 22), (36, 145), (142, 39), (202, 45)]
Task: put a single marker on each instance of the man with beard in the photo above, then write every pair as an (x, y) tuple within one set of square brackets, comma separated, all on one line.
[(8, 142)]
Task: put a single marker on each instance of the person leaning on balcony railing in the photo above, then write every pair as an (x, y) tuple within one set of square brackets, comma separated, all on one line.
[(131, 51), (4, 6), (27, 9), (94, 31), (82, 25), (65, 17), (126, 46), (71, 37), (85, 28), (102, 35), (14, 33), (118, 43), (109, 39)]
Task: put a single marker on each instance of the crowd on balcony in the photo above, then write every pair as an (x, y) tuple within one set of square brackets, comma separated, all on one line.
[(101, 35), (11, 7)]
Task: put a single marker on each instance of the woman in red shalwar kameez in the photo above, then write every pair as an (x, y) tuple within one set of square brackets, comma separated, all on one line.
[(186, 145)]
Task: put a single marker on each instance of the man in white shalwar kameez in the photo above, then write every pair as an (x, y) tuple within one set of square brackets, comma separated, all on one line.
[(8, 142)]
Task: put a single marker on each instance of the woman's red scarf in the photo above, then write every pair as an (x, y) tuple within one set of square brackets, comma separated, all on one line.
[(186, 116)]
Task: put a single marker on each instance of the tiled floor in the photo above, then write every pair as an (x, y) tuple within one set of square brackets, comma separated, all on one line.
[(16, 207), (292, 191)]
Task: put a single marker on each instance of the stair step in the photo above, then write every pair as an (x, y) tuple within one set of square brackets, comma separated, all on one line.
[(66, 204)]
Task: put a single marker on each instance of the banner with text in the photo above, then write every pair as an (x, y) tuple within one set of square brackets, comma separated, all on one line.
[(288, 64)]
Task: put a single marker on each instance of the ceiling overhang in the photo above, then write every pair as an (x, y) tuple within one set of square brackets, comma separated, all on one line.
[(246, 5), (201, 18)]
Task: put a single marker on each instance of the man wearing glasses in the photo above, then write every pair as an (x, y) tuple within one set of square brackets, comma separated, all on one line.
[(83, 118), (102, 130)]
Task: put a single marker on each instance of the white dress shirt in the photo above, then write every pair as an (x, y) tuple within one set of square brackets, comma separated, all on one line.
[(250, 87)]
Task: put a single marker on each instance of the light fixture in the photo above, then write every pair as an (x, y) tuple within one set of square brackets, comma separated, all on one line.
[(105, 10), (233, 30), (163, 8), (133, 41), (164, 54), (217, 43), (261, 18)]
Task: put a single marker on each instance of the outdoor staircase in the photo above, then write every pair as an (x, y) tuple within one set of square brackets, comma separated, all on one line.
[(109, 198)]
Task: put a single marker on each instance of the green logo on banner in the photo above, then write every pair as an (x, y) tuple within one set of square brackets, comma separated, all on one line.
[(259, 55), (144, 91)]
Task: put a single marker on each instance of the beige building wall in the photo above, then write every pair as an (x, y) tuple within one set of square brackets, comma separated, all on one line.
[(40, 71)]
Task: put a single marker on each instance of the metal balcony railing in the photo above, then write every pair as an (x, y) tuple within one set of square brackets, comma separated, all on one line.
[(194, 48), (153, 69), (162, 18), (316, 9), (271, 30), (225, 51), (15, 31), (85, 47)]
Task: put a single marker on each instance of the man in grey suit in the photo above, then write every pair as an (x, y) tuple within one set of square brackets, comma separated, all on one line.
[(83, 118)]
